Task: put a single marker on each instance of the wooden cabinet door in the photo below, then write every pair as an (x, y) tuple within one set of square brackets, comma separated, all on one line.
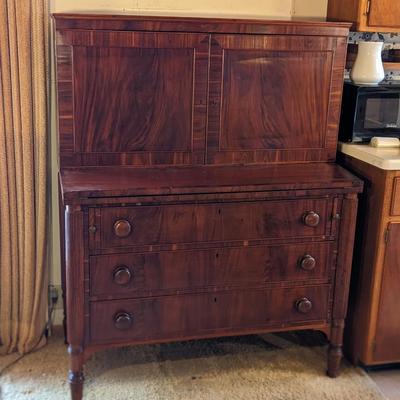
[(387, 338), (384, 13), (274, 98), (132, 98)]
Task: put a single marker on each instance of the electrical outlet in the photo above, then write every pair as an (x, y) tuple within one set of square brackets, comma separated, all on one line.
[(55, 297)]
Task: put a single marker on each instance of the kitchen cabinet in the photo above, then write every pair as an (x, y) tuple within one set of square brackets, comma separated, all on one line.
[(366, 15), (373, 323)]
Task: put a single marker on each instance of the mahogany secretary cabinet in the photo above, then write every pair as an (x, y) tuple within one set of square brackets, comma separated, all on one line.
[(199, 191)]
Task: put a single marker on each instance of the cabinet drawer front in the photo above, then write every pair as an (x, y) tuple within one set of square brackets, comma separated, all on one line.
[(194, 223), (178, 317), (171, 271)]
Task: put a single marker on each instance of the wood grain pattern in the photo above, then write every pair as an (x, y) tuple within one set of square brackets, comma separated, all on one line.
[(260, 79), (87, 184), (172, 230), (388, 325), (367, 293), (122, 80), (342, 282), (74, 260), (384, 13), (176, 272), (228, 311), (395, 206), (366, 15), (124, 22), (344, 10), (138, 98), (194, 223)]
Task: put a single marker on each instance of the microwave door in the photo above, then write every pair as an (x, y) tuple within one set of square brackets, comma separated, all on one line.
[(378, 114)]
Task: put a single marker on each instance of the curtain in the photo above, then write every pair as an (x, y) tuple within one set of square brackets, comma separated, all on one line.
[(23, 148)]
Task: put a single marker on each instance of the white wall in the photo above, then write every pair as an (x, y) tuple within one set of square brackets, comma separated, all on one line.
[(244, 8), (303, 9), (309, 9)]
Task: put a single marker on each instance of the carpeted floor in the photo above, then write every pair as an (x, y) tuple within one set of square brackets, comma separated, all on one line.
[(271, 367)]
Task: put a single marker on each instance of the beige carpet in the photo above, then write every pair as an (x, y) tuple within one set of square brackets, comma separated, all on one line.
[(273, 367)]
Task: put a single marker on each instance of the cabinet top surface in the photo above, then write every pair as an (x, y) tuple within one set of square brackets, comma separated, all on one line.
[(194, 24), (383, 158), (127, 181)]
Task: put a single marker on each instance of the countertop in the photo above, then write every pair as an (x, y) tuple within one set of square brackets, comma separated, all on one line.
[(383, 158)]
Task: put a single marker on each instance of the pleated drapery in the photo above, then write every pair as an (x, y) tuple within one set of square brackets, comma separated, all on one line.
[(23, 133)]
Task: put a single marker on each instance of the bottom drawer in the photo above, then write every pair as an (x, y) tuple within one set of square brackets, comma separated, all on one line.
[(177, 317)]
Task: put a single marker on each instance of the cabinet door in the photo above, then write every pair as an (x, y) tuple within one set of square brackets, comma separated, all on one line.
[(274, 98), (384, 13), (132, 98), (388, 329)]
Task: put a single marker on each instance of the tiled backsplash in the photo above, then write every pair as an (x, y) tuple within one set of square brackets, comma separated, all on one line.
[(390, 53)]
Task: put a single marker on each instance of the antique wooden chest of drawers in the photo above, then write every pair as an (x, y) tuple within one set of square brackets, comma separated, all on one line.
[(199, 191)]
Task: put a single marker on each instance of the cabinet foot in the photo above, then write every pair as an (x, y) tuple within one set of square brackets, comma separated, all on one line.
[(335, 356)]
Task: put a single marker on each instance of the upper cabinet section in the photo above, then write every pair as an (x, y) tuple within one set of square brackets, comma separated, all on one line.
[(137, 91), (132, 98), (273, 98), (367, 15)]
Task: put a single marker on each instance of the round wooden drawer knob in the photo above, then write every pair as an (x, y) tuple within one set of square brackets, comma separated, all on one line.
[(122, 275), (311, 218), (122, 228), (307, 262), (123, 321), (303, 305)]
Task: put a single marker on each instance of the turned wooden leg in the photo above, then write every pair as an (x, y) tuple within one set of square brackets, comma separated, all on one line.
[(335, 353), (75, 380), (75, 374)]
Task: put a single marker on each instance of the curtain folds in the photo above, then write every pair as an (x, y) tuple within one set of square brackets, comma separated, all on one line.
[(23, 197)]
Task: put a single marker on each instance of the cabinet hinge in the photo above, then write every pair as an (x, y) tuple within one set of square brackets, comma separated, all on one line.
[(387, 235), (368, 7)]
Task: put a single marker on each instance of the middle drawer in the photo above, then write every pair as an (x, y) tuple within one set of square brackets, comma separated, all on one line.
[(170, 271)]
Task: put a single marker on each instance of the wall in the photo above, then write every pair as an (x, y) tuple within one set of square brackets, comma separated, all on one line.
[(309, 9), (304, 9), (248, 8)]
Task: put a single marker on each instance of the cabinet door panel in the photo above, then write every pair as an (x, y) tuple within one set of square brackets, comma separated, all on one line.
[(384, 13), (388, 328), (137, 98), (278, 100)]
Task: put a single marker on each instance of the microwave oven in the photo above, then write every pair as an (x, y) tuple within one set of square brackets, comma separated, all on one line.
[(369, 111)]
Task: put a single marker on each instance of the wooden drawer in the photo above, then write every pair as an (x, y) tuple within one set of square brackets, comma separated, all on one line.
[(184, 316), (170, 271), (194, 223)]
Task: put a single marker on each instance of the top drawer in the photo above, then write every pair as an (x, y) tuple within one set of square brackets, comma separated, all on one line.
[(194, 223)]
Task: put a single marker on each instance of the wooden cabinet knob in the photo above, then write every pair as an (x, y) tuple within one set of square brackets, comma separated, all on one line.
[(311, 218), (122, 275), (122, 228), (307, 262), (123, 321), (303, 305)]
